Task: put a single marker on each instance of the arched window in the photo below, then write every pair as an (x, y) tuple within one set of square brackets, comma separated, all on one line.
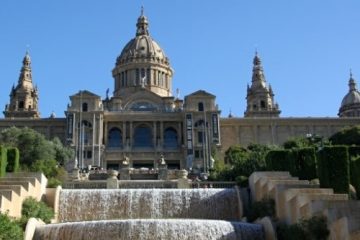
[(84, 107), (201, 107), (114, 138), (170, 138), (143, 136)]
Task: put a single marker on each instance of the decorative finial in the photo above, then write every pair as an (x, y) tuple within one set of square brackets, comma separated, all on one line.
[(142, 11), (27, 49), (351, 73)]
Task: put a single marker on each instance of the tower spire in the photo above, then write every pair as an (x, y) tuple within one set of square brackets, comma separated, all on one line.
[(142, 24), (352, 83), (260, 97), (23, 97)]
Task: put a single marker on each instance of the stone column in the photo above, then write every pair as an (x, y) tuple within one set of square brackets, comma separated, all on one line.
[(131, 135), (161, 133), (112, 181), (179, 134), (154, 134), (183, 181), (124, 134)]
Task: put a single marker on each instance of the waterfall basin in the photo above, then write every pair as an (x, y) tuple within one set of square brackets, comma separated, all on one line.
[(150, 229)]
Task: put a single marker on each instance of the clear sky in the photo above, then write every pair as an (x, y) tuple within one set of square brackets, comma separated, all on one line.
[(307, 48)]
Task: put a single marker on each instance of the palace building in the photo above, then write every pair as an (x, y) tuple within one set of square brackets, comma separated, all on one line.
[(144, 122)]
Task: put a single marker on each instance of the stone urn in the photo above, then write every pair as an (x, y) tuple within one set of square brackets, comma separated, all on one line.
[(112, 174), (182, 174)]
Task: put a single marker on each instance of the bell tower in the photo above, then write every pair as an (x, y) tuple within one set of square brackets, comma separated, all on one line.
[(24, 97), (260, 97)]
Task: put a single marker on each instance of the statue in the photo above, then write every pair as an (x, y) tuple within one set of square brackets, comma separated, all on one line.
[(162, 160), (126, 160)]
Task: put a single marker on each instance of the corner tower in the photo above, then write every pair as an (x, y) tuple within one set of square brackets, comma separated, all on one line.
[(24, 97), (142, 64), (350, 105), (260, 97)]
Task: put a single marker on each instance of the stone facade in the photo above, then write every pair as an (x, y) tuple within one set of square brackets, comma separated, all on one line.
[(143, 123)]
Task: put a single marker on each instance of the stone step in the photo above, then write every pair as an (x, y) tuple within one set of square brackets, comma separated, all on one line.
[(305, 205), (272, 183), (286, 192), (8, 194), (18, 189), (26, 185), (31, 180)]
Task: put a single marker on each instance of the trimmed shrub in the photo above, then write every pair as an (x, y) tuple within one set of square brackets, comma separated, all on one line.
[(313, 228), (263, 208), (32, 208), (355, 174), (305, 163), (9, 229), (3, 161), (280, 160), (333, 168), (354, 151), (13, 157)]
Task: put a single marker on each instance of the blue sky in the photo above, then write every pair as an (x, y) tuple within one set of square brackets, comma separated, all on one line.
[(307, 48)]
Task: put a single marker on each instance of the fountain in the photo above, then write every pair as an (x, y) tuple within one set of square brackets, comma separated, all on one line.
[(150, 214)]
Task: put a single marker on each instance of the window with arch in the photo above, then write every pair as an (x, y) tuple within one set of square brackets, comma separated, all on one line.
[(84, 107), (170, 138), (143, 136), (114, 138), (200, 106)]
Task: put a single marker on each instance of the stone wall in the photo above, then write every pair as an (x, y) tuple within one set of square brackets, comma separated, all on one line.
[(244, 131)]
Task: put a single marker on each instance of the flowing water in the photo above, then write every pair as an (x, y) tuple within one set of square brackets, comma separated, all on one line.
[(151, 229), (104, 204), (147, 214)]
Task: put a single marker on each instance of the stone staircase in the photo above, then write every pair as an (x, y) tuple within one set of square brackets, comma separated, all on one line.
[(298, 199), (14, 188)]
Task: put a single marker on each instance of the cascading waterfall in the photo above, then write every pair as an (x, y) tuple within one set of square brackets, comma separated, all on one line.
[(104, 204), (150, 229), (140, 214)]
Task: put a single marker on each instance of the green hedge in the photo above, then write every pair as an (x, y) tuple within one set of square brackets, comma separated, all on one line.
[(355, 174), (354, 151), (13, 157), (280, 160), (3, 161), (333, 168), (305, 163)]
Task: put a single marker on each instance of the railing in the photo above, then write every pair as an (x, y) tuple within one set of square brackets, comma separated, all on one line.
[(84, 185), (101, 184), (147, 184), (212, 184)]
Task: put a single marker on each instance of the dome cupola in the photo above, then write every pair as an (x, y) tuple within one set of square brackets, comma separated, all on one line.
[(142, 64), (350, 105)]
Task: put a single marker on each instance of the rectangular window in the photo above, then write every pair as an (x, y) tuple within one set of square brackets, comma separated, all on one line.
[(200, 137), (89, 154)]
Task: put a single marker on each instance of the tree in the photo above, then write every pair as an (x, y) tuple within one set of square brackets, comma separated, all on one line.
[(32, 145), (37, 153), (346, 136), (297, 142), (62, 154)]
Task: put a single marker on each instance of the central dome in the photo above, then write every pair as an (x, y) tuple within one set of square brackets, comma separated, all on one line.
[(142, 46), (142, 64)]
